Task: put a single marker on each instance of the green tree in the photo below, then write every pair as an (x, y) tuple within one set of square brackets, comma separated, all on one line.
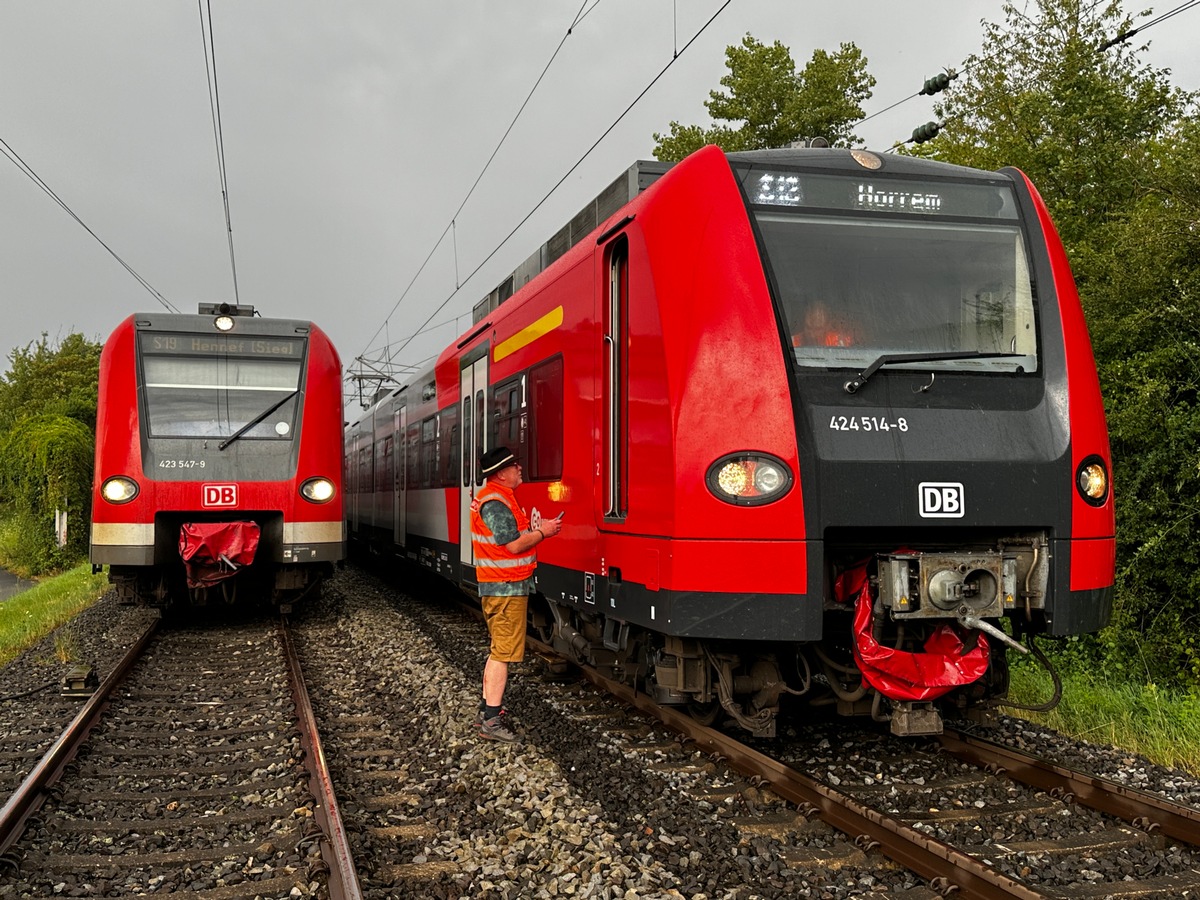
[(46, 465), (1111, 145), (1143, 301), (769, 104), (45, 379), (1042, 96)]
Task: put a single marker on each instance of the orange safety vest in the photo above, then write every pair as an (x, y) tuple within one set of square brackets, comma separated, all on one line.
[(492, 562)]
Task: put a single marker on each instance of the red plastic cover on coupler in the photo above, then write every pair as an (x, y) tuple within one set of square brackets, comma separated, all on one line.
[(901, 675), (213, 551)]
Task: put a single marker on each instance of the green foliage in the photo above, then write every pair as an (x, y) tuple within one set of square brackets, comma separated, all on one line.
[(31, 615), (1079, 122), (48, 380), (47, 420), (1142, 297), (46, 464), (774, 104), (1162, 724)]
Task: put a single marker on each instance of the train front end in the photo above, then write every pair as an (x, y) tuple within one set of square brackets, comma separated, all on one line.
[(218, 458), (951, 439)]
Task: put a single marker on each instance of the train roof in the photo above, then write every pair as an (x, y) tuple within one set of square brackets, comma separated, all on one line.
[(838, 159)]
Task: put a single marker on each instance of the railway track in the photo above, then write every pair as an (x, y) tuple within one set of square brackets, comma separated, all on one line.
[(976, 826), (594, 800), (185, 772)]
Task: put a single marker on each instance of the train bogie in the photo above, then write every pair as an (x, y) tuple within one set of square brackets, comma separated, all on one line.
[(825, 426)]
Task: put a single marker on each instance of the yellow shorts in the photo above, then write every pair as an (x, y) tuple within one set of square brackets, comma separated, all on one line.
[(505, 617)]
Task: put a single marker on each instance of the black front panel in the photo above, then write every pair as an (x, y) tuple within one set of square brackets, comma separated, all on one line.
[(220, 406)]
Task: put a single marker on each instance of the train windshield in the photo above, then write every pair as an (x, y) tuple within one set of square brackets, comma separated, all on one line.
[(211, 387), (868, 268)]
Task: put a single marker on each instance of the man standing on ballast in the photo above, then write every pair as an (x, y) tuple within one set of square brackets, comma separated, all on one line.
[(504, 564)]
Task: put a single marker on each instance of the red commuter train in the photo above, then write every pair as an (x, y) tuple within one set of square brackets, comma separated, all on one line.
[(218, 458), (825, 425)]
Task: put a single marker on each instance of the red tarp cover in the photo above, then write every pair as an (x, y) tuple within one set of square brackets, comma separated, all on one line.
[(212, 551), (900, 675)]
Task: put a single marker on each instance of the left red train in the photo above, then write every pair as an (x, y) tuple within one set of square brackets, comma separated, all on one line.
[(218, 458)]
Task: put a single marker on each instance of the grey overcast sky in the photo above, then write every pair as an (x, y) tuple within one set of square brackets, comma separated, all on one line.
[(354, 130)]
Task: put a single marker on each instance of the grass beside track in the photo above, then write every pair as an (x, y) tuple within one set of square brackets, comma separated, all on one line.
[(1162, 726), (32, 614)]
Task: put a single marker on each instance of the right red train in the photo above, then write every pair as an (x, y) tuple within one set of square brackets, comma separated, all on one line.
[(825, 424)]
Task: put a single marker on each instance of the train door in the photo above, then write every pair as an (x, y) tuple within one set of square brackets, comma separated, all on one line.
[(351, 486), (614, 385), (400, 479), (473, 418)]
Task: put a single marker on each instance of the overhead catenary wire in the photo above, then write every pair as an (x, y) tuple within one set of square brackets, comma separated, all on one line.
[(29, 173), (579, 16), (1119, 39), (214, 104), (567, 174)]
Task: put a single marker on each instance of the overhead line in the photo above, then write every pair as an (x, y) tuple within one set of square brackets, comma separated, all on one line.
[(569, 172), (214, 104), (579, 15), (15, 158)]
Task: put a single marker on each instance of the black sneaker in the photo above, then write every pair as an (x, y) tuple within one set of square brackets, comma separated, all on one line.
[(504, 717), (494, 729)]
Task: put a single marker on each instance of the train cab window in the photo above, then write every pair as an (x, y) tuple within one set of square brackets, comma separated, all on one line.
[(863, 268), (212, 387)]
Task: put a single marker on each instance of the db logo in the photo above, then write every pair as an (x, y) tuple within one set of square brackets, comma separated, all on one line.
[(219, 495), (941, 499)]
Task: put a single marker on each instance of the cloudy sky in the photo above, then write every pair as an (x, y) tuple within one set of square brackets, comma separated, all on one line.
[(354, 131)]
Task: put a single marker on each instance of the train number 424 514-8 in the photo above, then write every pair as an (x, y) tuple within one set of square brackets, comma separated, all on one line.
[(866, 423)]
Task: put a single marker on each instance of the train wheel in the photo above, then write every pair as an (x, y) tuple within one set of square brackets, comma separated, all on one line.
[(704, 713)]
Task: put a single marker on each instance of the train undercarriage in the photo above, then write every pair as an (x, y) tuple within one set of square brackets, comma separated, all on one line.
[(909, 638)]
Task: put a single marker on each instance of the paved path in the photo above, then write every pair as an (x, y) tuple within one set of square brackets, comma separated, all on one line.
[(11, 585)]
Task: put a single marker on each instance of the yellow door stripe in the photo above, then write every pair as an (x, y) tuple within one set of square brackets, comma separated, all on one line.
[(528, 334)]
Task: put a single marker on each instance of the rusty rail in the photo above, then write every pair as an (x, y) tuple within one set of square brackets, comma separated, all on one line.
[(28, 796), (335, 848)]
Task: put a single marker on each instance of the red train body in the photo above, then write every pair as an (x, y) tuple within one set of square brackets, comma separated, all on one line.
[(735, 485), (218, 457)]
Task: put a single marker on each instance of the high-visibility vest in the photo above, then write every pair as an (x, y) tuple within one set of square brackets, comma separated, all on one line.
[(492, 562)]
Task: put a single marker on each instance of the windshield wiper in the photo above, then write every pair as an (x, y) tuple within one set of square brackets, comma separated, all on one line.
[(262, 415), (891, 358)]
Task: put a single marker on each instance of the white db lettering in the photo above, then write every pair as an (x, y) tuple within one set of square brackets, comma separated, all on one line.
[(219, 495), (941, 500)]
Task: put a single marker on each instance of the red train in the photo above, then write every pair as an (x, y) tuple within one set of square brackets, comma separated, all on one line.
[(218, 458), (825, 425)]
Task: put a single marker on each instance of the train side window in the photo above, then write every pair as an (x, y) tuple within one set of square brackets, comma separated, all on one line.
[(466, 457), (448, 445), (546, 425), (389, 462), (429, 451), (508, 425), (479, 432), (413, 439)]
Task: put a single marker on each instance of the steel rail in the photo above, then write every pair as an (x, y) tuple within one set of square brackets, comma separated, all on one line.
[(913, 849), (30, 794), (1138, 807), (335, 848)]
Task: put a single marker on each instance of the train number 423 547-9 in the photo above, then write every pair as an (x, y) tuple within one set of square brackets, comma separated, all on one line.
[(866, 423)]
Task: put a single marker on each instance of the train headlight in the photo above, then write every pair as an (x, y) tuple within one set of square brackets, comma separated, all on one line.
[(317, 490), (1091, 478), (223, 323), (749, 479), (119, 489)]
